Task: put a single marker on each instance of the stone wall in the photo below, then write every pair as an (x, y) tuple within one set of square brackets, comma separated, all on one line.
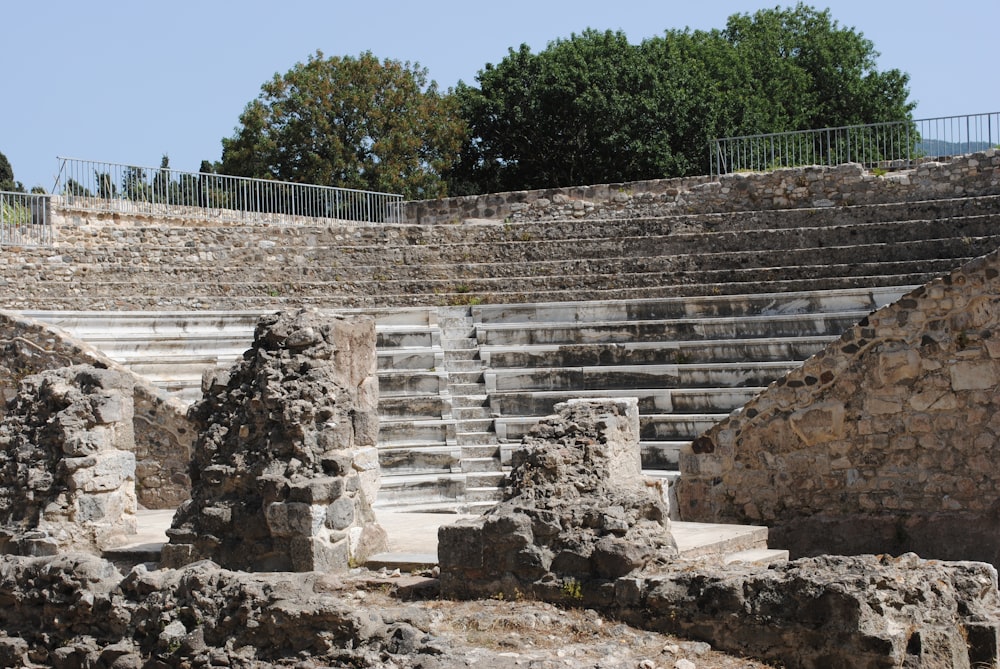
[(162, 433), (850, 184), (884, 442), (67, 463)]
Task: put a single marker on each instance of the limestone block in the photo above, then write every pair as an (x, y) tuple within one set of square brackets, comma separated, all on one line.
[(113, 408), (366, 464), (619, 430), (973, 375), (366, 427), (110, 471), (291, 519), (85, 442), (310, 553), (898, 366), (317, 491), (340, 514), (106, 506), (819, 423)]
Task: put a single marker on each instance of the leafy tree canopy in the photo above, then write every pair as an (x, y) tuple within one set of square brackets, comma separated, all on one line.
[(7, 182), (595, 109), (349, 122)]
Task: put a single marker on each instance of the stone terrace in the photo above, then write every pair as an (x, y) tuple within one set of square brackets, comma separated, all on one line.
[(690, 294)]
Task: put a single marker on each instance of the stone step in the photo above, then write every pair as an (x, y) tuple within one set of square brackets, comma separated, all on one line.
[(705, 306), (410, 359), (466, 389), (471, 413), (708, 539), (480, 464), (464, 378), (651, 400), (686, 329), (653, 427), (858, 243), (470, 439), (480, 287), (676, 427), (413, 407), (636, 239), (409, 431), (461, 356), (492, 479), (408, 490), (470, 401), (480, 450), (411, 382), (624, 377), (485, 497), (463, 366), (764, 349), (420, 459), (757, 556), (58, 296), (662, 455)]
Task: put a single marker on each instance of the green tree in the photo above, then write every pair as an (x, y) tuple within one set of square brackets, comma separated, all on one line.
[(568, 115), (806, 71), (349, 122), (7, 182), (595, 109)]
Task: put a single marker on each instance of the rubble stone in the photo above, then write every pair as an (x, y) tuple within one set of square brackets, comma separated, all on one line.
[(285, 466), (576, 510), (67, 468)]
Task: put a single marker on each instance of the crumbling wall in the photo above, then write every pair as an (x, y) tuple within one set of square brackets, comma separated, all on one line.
[(577, 510), (884, 442), (285, 467), (864, 612), (162, 432), (67, 470)]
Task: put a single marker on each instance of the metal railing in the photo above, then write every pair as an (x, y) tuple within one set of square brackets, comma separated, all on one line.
[(114, 187), (892, 144), (24, 219)]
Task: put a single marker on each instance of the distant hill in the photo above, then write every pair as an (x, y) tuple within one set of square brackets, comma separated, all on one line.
[(939, 147)]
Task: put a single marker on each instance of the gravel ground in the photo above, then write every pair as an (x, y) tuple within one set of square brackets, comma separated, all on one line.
[(498, 634)]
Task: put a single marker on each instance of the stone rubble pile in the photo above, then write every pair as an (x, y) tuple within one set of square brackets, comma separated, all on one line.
[(77, 610), (285, 466), (577, 510), (67, 467), (864, 612)]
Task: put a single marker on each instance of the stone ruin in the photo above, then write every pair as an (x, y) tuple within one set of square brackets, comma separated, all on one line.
[(577, 510), (67, 470), (285, 467), (580, 527)]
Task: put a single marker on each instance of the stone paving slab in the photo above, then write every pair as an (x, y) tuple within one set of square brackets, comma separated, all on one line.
[(413, 538)]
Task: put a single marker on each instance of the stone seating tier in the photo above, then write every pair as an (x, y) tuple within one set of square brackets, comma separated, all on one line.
[(274, 266), (452, 400)]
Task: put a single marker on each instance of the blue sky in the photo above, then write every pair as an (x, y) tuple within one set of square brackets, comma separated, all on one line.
[(129, 81)]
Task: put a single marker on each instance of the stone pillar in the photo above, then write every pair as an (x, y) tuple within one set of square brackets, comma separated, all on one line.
[(285, 468), (67, 471)]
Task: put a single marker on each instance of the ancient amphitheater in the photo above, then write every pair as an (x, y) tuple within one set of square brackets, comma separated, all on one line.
[(692, 295), (815, 350)]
